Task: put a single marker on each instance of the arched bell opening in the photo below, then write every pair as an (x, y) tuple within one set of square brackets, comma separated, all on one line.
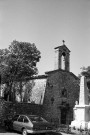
[(63, 61)]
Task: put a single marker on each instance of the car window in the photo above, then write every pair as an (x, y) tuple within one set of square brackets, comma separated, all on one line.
[(20, 119), (25, 120), (15, 117), (36, 119)]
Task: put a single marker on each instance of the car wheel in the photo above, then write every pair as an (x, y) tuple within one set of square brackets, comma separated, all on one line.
[(24, 132)]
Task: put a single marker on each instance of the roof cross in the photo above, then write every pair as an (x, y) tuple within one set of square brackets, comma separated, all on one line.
[(63, 42)]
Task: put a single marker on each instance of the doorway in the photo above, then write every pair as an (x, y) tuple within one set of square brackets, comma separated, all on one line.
[(63, 115)]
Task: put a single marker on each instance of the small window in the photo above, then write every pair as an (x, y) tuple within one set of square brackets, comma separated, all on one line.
[(64, 92), (63, 62), (63, 54), (21, 118), (52, 100), (25, 120)]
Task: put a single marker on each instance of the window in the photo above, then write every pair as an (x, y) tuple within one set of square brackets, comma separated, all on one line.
[(63, 61), (25, 120), (64, 92), (52, 100), (21, 118)]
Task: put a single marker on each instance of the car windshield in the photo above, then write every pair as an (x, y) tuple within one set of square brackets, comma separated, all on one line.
[(36, 119)]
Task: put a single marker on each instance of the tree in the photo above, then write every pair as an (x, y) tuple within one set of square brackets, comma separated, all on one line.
[(18, 63), (28, 90), (3, 67), (86, 72)]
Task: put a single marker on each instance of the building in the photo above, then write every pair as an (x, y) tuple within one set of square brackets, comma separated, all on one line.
[(61, 89)]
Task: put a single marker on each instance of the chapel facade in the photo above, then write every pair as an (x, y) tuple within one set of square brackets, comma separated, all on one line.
[(62, 89)]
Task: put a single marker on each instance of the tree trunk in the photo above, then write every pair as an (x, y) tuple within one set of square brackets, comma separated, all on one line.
[(10, 91), (21, 91), (14, 92)]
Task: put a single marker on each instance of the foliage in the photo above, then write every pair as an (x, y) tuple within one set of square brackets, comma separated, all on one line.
[(18, 62), (86, 71), (28, 90)]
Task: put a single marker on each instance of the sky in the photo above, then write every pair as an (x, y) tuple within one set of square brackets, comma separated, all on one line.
[(46, 23)]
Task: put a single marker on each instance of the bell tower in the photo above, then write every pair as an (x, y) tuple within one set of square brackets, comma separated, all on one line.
[(62, 57)]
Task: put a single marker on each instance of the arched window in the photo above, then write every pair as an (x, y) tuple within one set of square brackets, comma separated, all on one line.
[(52, 100), (63, 61), (64, 92)]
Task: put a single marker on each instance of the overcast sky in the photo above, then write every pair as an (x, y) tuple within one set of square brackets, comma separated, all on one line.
[(46, 23)]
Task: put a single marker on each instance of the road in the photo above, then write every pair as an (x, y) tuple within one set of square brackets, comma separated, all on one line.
[(4, 132), (9, 133), (14, 133)]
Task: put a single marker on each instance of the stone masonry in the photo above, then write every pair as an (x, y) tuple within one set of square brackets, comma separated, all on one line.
[(10, 108), (56, 101)]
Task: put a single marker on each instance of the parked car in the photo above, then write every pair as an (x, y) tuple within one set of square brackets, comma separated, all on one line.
[(29, 124)]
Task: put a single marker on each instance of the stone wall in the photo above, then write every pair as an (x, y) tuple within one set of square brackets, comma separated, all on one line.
[(4, 109), (9, 109), (38, 90)]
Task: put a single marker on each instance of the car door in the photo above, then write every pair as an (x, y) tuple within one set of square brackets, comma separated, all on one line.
[(14, 121), (18, 124), (26, 122)]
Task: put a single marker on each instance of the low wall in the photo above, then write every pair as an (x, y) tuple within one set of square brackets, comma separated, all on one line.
[(9, 109)]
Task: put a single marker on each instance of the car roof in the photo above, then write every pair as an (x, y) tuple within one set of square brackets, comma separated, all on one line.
[(26, 115)]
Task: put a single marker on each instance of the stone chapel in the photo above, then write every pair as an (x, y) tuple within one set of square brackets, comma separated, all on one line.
[(61, 89)]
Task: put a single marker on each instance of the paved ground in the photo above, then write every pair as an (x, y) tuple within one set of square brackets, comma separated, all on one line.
[(9, 133), (4, 132)]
